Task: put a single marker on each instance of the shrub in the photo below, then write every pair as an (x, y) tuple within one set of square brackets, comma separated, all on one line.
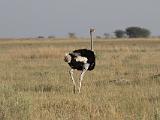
[(137, 32), (120, 33)]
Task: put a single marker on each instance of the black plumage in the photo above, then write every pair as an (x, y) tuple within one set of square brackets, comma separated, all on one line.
[(79, 65)]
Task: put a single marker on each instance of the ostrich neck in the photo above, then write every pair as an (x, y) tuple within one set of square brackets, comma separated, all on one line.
[(91, 41)]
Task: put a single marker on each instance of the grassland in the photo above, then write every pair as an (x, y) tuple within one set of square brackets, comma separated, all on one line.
[(35, 84)]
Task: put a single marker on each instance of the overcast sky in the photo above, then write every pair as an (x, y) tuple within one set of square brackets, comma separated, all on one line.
[(30, 18)]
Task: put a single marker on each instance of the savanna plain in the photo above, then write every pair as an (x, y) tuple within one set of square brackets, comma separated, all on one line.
[(35, 82)]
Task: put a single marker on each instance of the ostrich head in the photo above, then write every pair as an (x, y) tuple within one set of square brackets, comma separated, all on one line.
[(92, 30), (67, 58)]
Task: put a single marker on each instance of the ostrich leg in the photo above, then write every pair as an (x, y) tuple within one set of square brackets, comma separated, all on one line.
[(71, 74), (86, 66)]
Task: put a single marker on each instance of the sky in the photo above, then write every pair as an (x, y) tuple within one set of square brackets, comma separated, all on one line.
[(31, 18)]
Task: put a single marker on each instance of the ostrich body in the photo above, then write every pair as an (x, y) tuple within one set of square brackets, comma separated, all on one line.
[(82, 60)]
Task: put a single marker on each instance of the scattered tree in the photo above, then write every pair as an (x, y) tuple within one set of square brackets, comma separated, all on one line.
[(40, 37), (137, 32), (72, 35), (120, 33)]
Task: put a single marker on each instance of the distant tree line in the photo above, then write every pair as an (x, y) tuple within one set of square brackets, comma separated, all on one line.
[(133, 32), (129, 32)]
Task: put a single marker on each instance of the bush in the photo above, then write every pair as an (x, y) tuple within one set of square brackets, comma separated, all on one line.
[(72, 35), (137, 32), (120, 33)]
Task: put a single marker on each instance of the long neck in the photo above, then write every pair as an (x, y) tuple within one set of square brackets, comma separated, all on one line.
[(91, 40)]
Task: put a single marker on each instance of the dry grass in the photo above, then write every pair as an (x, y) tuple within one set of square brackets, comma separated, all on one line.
[(35, 84)]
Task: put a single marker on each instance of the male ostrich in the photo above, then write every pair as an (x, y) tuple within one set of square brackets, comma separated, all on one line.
[(82, 60)]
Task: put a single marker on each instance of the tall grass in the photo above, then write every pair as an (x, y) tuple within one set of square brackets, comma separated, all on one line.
[(35, 84)]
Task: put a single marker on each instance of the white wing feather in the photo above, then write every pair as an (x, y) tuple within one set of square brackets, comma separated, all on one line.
[(81, 59)]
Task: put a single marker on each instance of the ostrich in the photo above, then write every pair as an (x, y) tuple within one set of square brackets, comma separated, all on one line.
[(82, 60)]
